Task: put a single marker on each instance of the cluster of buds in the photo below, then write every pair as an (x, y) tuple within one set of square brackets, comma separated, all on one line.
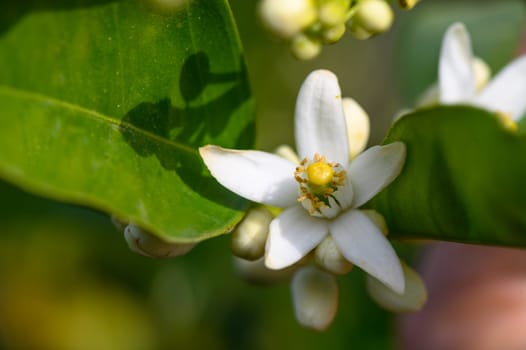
[(309, 24)]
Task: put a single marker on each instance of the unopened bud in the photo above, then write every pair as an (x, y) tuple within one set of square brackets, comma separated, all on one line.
[(333, 12), (408, 4), (146, 244), (287, 152), (328, 257), (482, 73), (377, 219), (315, 298), (333, 34), (304, 47), (357, 122), (286, 18), (413, 298), (249, 238), (372, 17)]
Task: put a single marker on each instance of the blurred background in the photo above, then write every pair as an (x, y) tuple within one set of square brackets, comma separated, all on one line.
[(69, 281)]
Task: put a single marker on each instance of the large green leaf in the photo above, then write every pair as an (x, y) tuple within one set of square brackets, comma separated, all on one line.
[(463, 180), (495, 28), (104, 103)]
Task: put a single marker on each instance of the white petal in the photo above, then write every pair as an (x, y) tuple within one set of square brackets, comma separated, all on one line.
[(363, 244), (261, 177), (292, 235), (315, 297), (320, 123), (374, 169), (455, 70), (357, 122), (507, 91)]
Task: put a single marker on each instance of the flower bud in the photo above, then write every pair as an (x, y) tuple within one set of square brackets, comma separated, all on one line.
[(408, 4), (304, 47), (315, 298), (146, 244), (249, 238), (372, 17), (286, 152), (333, 12), (328, 257), (286, 18), (333, 34), (357, 122), (482, 73), (413, 298), (377, 219)]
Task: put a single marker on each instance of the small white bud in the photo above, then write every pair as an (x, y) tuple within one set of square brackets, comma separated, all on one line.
[(249, 238), (328, 257), (333, 34), (482, 73), (377, 219), (333, 12), (372, 17), (146, 244), (285, 151), (413, 298), (315, 298), (357, 122), (304, 47), (286, 18)]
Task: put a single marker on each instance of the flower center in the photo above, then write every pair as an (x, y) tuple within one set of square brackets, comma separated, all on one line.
[(318, 181), (319, 173)]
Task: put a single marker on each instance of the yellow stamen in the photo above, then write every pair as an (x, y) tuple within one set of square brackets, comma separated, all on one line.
[(320, 173)]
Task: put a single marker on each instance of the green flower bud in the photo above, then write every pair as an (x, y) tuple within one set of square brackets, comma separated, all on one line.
[(408, 4), (372, 17), (333, 34), (333, 12), (304, 47), (328, 257), (287, 18), (413, 298), (315, 298), (146, 244), (249, 238)]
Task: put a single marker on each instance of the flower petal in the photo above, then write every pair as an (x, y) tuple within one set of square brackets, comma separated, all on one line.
[(320, 122), (292, 235), (261, 177), (507, 91), (455, 70), (374, 169), (363, 244)]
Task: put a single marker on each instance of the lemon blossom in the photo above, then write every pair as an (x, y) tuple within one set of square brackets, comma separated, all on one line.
[(322, 195), (457, 79)]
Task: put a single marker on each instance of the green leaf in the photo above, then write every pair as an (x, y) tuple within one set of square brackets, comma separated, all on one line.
[(463, 180), (104, 103), (495, 28)]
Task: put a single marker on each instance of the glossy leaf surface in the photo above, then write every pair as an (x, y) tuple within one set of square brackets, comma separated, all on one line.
[(104, 103)]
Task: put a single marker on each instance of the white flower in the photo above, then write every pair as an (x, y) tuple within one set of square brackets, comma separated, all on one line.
[(457, 79), (321, 196)]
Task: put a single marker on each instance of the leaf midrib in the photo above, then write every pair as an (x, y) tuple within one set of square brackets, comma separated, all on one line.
[(91, 114)]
